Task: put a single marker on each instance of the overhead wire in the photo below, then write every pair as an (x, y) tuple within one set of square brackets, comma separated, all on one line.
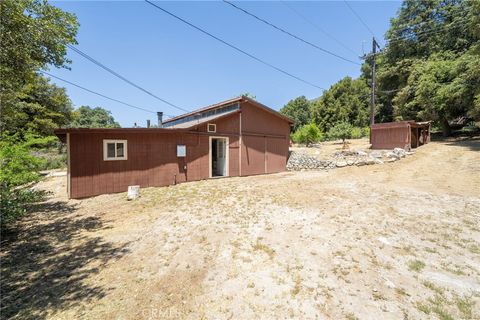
[(359, 18), (101, 65), (433, 30), (289, 33), (234, 47), (316, 26), (97, 93)]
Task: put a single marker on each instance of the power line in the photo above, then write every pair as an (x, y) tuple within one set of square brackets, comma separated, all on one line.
[(433, 30), (94, 92), (234, 47), (289, 33), (407, 26), (359, 18), (101, 65), (317, 27)]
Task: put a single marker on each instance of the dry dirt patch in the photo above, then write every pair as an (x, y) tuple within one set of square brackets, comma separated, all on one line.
[(393, 241)]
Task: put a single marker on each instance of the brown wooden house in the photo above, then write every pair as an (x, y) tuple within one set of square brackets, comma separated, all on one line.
[(238, 137), (400, 134)]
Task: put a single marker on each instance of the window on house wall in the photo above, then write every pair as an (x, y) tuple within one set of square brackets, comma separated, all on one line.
[(211, 127), (114, 150)]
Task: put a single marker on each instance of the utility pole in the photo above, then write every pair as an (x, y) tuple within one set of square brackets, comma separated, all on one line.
[(372, 97)]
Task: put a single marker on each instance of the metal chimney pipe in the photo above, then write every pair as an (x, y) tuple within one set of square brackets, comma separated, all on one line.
[(148, 123), (160, 119)]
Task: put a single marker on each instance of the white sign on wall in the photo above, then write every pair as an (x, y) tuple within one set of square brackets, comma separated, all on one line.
[(181, 150)]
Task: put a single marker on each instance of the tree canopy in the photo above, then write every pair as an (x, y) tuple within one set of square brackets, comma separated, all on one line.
[(430, 65), (429, 70), (39, 108), (86, 117), (345, 101), (298, 110), (34, 35), (342, 130)]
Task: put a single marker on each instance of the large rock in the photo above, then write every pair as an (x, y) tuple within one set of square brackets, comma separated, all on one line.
[(360, 162), (341, 163), (392, 155), (376, 154), (399, 152)]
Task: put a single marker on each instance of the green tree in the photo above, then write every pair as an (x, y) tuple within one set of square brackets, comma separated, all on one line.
[(40, 107), (249, 95), (429, 69), (345, 101), (342, 130), (444, 86), (33, 35), (307, 134), (86, 117), (298, 110)]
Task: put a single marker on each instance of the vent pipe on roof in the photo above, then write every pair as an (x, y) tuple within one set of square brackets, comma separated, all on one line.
[(148, 123), (160, 119)]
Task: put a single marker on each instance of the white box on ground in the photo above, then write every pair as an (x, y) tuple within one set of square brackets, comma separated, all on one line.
[(133, 192)]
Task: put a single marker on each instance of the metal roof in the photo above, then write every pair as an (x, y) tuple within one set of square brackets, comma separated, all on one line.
[(196, 122), (231, 101)]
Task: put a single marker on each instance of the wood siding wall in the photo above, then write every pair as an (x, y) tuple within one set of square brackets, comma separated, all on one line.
[(265, 141), (152, 159), (391, 137)]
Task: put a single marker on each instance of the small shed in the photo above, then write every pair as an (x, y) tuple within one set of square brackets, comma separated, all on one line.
[(400, 134)]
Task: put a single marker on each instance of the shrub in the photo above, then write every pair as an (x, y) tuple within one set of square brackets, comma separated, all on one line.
[(51, 159), (366, 132), (342, 130), (18, 169), (357, 133), (307, 134)]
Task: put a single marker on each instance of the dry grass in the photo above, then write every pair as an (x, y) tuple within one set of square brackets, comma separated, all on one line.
[(350, 243), (416, 265)]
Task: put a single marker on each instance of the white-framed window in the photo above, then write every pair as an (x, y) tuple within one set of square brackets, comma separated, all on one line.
[(211, 127), (181, 150), (114, 150)]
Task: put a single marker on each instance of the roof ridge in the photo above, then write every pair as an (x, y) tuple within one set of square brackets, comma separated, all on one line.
[(212, 106)]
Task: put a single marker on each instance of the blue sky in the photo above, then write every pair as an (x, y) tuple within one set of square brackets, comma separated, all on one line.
[(192, 70)]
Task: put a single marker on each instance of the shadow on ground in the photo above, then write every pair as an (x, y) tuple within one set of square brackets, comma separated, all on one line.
[(47, 257), (470, 142)]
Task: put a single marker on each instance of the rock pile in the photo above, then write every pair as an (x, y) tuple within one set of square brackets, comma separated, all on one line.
[(300, 161)]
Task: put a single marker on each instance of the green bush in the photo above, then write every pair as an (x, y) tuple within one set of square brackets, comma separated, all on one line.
[(307, 134), (366, 131), (342, 130), (18, 169), (357, 133), (51, 159)]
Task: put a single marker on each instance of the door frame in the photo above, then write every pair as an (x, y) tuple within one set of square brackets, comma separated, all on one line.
[(227, 156)]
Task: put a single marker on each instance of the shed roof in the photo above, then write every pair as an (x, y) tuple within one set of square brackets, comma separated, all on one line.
[(397, 124)]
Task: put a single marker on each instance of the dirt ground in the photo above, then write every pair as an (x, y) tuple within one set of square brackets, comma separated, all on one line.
[(393, 241)]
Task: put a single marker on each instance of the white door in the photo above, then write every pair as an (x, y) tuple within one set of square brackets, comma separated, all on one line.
[(221, 157)]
